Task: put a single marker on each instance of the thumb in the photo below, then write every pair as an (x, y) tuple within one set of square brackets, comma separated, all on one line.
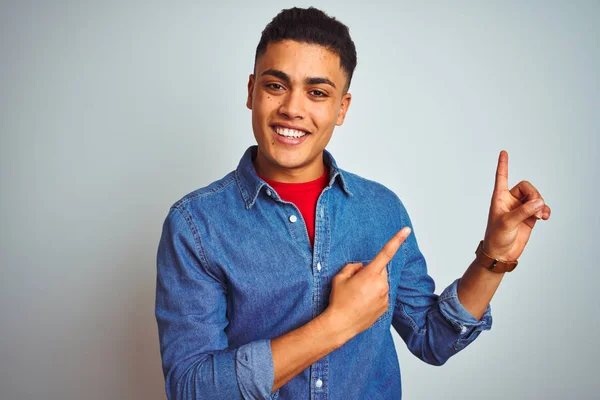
[(349, 270), (520, 214)]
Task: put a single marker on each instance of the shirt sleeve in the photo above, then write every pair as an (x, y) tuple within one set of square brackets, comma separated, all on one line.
[(433, 327), (190, 311)]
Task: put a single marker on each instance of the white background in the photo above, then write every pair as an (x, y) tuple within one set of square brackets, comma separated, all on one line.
[(109, 113)]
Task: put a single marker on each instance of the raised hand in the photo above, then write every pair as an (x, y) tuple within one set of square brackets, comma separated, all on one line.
[(359, 295), (513, 214)]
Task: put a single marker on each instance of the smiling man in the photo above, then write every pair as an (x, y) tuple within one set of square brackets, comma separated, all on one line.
[(283, 279), (298, 95)]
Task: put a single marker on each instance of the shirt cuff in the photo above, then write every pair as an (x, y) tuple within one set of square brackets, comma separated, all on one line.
[(254, 369), (457, 314)]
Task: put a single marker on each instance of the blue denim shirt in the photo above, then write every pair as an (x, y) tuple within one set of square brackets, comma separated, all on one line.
[(236, 269)]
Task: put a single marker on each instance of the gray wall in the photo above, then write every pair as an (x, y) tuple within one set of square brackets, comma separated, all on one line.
[(110, 113)]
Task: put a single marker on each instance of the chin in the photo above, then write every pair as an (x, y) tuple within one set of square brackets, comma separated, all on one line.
[(288, 161)]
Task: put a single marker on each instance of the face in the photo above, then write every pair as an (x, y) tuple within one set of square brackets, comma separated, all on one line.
[(297, 98)]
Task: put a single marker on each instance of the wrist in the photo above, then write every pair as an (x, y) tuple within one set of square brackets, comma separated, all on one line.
[(492, 252), (492, 262), (330, 323)]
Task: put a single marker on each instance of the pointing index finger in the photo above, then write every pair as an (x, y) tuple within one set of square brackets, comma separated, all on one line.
[(502, 172), (389, 250)]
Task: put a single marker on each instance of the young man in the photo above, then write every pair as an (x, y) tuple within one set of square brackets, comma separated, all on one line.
[(281, 281)]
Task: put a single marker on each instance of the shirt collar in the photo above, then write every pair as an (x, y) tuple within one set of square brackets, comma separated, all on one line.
[(250, 183)]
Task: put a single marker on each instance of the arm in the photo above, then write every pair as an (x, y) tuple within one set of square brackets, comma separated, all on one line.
[(297, 350), (476, 288), (513, 214), (191, 310), (435, 328)]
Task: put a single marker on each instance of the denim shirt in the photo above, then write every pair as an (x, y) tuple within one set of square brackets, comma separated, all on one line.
[(236, 269)]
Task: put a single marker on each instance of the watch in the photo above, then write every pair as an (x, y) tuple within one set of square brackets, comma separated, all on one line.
[(492, 263)]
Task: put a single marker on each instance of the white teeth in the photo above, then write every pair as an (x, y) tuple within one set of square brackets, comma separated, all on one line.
[(289, 132)]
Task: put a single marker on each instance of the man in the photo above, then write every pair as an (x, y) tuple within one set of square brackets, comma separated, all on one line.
[(281, 281)]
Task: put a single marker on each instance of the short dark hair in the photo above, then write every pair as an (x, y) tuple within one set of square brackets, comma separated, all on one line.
[(311, 25)]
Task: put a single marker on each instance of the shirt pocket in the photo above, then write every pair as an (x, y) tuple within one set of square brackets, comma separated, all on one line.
[(386, 315)]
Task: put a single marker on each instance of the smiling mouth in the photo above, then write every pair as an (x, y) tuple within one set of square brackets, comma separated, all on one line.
[(289, 133)]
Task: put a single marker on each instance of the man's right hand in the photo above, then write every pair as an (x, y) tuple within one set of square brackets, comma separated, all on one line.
[(359, 295)]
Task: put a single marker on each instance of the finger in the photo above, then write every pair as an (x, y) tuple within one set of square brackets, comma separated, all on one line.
[(525, 192), (546, 211), (389, 250), (530, 222), (520, 214), (384, 271), (349, 270), (502, 172)]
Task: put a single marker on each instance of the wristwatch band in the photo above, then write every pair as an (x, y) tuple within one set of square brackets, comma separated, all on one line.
[(491, 263)]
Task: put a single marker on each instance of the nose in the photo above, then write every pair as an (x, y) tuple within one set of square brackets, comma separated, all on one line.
[(292, 105)]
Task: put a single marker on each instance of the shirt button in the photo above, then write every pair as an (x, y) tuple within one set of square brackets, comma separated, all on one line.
[(293, 218), (319, 383), (463, 329), (318, 266), (269, 192)]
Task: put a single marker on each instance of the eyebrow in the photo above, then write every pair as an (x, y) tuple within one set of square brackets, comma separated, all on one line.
[(286, 78), (317, 81)]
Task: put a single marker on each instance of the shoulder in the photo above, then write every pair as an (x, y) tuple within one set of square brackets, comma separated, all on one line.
[(372, 191), (214, 192)]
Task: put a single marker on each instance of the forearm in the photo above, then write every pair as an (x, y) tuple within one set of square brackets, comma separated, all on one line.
[(477, 287), (297, 350)]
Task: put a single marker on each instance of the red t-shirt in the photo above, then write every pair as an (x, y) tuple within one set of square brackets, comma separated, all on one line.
[(304, 195)]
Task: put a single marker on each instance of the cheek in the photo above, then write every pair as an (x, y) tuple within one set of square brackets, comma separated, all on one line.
[(326, 115), (266, 103)]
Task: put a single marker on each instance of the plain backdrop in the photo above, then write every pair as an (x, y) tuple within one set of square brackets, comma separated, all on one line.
[(112, 111)]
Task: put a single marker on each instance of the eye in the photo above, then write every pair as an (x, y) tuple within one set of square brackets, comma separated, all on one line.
[(274, 86), (317, 93)]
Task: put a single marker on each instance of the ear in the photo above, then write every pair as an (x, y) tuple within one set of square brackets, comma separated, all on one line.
[(250, 90), (346, 99)]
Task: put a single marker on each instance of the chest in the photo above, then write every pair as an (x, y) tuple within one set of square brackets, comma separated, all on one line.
[(276, 281)]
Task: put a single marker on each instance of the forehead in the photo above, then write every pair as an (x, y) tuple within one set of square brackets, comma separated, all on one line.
[(301, 60)]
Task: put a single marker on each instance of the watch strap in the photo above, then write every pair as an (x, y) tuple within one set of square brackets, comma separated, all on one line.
[(491, 263)]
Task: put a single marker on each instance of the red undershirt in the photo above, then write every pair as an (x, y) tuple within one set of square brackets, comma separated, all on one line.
[(304, 195)]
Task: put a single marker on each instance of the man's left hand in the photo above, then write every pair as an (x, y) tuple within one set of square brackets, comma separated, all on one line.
[(513, 214)]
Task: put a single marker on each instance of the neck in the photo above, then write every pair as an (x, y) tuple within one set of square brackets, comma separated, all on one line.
[(288, 175)]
